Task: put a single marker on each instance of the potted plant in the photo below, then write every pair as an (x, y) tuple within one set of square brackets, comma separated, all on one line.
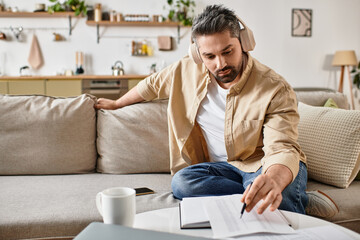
[(76, 6), (356, 76), (179, 11)]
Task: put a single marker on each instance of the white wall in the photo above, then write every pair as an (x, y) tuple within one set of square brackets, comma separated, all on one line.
[(302, 61)]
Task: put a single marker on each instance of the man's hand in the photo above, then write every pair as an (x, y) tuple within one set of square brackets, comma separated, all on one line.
[(268, 187), (131, 97), (108, 104)]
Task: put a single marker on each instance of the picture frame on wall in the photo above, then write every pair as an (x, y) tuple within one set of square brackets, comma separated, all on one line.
[(301, 24)]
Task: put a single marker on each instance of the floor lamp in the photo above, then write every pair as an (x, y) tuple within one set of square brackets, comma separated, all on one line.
[(345, 59)]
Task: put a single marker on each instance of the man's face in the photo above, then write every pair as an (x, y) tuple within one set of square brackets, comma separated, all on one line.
[(221, 54)]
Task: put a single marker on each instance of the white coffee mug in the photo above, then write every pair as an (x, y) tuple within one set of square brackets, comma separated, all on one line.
[(117, 205)]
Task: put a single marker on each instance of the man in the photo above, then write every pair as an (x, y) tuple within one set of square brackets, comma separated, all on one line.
[(233, 120)]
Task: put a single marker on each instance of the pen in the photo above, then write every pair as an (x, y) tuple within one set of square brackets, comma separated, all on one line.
[(244, 206)]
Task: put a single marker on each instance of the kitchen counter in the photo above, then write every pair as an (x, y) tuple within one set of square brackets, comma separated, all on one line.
[(107, 86), (73, 77)]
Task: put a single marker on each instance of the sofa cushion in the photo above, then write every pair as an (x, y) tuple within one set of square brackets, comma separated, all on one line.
[(133, 139), (330, 139), (47, 135), (31, 207)]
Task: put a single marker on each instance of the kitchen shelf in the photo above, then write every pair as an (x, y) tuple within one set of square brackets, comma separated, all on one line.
[(141, 24), (134, 24), (36, 14), (69, 15)]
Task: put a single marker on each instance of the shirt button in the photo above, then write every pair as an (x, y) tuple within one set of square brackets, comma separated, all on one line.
[(182, 139)]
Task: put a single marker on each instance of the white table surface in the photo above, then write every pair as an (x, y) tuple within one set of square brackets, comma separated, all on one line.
[(168, 220)]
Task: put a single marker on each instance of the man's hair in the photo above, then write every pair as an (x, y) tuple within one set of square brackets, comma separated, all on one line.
[(215, 19)]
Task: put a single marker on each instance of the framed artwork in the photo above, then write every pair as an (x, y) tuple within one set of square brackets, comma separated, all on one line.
[(301, 23)]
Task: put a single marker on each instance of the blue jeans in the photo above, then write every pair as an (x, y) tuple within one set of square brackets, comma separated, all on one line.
[(221, 178)]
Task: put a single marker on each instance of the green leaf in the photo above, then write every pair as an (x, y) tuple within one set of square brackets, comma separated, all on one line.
[(356, 80), (52, 0), (70, 2), (58, 7), (50, 10), (77, 12), (171, 14)]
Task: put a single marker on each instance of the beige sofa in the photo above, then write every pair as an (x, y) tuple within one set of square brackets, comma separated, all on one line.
[(57, 153)]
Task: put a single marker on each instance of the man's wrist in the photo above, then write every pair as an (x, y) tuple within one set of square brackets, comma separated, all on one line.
[(281, 173), (118, 103)]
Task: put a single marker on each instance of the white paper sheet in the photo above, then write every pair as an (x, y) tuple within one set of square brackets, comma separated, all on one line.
[(224, 216), (316, 233)]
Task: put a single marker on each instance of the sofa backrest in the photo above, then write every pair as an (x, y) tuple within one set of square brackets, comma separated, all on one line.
[(133, 139), (319, 96), (47, 135)]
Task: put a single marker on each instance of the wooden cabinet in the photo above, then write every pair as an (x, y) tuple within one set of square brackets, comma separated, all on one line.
[(67, 86), (133, 82), (63, 88), (56, 88), (25, 87), (3, 87)]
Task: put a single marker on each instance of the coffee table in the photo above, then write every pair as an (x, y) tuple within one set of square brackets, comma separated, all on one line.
[(168, 220)]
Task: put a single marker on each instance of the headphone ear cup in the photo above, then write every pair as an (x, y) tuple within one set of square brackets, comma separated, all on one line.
[(246, 37), (247, 40), (194, 53)]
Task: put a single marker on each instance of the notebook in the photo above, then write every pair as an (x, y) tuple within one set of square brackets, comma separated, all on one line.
[(222, 214)]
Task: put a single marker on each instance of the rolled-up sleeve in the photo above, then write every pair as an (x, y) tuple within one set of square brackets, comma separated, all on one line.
[(280, 132), (157, 85)]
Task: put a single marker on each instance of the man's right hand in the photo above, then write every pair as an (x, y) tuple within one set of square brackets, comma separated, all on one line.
[(108, 104), (131, 97)]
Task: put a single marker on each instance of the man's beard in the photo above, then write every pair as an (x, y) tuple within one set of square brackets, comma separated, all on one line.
[(228, 77)]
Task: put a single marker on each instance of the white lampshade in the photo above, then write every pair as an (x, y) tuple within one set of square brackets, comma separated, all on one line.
[(344, 58)]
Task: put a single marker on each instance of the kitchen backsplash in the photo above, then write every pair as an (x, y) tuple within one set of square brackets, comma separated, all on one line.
[(58, 49)]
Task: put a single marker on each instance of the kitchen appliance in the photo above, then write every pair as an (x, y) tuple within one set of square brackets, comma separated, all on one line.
[(118, 68), (105, 88)]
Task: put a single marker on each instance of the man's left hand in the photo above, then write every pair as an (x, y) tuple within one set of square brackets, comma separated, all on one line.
[(267, 186)]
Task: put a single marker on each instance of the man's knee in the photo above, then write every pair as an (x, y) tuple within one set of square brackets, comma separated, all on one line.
[(179, 184)]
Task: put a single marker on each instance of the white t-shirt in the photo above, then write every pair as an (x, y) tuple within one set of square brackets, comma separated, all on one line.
[(211, 118)]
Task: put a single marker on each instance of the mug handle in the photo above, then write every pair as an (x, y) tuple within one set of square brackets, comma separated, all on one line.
[(98, 202)]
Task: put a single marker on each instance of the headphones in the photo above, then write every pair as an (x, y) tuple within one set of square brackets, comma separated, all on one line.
[(246, 39)]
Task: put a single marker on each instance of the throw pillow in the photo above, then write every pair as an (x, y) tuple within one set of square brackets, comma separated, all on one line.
[(47, 135), (331, 103), (330, 138), (134, 139)]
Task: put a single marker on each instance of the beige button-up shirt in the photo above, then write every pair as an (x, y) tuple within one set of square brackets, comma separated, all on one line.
[(261, 116)]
